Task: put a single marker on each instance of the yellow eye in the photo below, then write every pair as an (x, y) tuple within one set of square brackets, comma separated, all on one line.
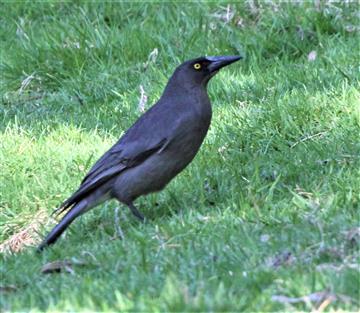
[(197, 66)]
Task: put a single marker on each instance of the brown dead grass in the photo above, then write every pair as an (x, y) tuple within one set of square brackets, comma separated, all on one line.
[(27, 236)]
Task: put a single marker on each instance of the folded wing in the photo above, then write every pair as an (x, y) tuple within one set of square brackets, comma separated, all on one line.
[(119, 158)]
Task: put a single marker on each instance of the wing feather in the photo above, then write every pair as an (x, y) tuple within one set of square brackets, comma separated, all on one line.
[(108, 166)]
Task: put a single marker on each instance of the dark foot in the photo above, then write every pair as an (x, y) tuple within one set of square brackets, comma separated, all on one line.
[(136, 212)]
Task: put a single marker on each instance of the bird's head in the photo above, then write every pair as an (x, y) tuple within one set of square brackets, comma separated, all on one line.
[(200, 70)]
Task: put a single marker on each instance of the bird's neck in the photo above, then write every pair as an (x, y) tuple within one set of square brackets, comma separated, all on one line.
[(181, 87), (189, 98)]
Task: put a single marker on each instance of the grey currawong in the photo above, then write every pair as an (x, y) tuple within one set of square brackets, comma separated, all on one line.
[(161, 143)]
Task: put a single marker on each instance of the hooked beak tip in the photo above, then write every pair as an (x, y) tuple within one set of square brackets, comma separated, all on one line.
[(220, 61)]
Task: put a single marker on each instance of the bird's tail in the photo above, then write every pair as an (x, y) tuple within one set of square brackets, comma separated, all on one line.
[(75, 211)]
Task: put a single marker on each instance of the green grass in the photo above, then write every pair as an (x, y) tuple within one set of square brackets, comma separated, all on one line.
[(265, 209)]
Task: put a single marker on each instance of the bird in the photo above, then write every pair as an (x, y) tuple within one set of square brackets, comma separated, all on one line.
[(157, 147)]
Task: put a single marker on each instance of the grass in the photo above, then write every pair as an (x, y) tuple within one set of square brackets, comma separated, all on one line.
[(267, 213)]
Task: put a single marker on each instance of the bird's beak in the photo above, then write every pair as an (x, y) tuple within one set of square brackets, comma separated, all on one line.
[(221, 61)]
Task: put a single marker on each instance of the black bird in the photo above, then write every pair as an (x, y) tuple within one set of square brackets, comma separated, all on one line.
[(161, 143)]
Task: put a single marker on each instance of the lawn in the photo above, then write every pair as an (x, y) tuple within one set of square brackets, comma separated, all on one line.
[(266, 218)]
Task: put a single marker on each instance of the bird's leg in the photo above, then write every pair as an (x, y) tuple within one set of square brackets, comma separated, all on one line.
[(136, 212), (117, 224)]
